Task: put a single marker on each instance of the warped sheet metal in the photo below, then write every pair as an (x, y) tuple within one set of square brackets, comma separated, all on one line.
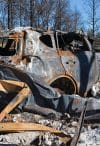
[(46, 100)]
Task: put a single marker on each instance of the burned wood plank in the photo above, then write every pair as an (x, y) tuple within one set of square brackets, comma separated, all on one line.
[(15, 101), (16, 127), (11, 85)]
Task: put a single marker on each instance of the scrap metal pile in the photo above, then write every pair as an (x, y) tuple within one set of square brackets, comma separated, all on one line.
[(48, 74)]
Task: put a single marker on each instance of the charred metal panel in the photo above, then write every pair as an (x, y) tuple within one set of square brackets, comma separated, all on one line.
[(53, 55), (86, 67)]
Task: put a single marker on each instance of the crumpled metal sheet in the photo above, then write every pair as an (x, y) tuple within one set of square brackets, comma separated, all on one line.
[(40, 90), (46, 100)]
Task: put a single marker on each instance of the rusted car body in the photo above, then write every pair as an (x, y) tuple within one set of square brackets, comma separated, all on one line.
[(66, 61)]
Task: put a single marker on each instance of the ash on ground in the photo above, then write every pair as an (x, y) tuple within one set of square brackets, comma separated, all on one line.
[(90, 135)]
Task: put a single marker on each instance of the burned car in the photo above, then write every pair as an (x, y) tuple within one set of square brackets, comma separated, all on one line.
[(64, 60)]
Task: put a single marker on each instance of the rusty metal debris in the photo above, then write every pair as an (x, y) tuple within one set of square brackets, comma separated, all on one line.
[(48, 73), (17, 100), (43, 98)]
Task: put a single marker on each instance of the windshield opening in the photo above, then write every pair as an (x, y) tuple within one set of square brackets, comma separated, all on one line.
[(7, 47), (71, 41)]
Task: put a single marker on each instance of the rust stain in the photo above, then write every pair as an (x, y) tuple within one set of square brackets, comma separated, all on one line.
[(66, 53)]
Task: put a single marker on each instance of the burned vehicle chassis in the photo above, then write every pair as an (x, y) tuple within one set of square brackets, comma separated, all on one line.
[(66, 61)]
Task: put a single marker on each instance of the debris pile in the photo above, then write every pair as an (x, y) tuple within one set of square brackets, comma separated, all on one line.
[(90, 134), (44, 77)]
